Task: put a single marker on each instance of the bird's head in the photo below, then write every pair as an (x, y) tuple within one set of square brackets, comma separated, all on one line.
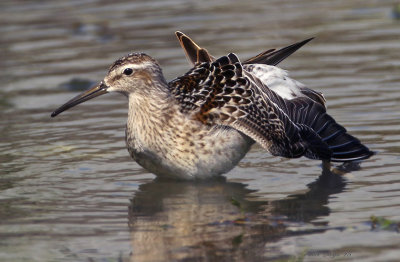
[(136, 73)]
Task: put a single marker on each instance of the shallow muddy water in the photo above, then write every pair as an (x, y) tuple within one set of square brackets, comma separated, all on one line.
[(70, 192)]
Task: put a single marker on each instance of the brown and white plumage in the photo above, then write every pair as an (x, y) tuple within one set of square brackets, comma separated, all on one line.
[(225, 93), (202, 123), (262, 65), (296, 104)]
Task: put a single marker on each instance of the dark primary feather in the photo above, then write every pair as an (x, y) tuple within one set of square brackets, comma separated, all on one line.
[(272, 57), (223, 93), (196, 54)]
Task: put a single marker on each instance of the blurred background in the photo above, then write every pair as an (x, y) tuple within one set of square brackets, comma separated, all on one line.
[(70, 192)]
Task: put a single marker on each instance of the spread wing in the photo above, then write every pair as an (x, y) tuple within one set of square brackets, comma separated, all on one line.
[(261, 65), (223, 93), (196, 54)]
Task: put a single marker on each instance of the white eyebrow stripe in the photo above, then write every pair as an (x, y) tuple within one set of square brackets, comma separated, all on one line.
[(138, 66)]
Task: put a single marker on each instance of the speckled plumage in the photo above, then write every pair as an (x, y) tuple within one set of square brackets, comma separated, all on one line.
[(222, 93), (202, 123)]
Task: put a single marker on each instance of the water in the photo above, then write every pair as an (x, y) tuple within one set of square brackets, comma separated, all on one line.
[(70, 192)]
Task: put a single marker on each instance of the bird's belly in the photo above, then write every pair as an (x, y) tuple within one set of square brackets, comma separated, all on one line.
[(198, 156), (222, 154)]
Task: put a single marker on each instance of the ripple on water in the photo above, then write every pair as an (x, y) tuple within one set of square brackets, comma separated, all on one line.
[(69, 190)]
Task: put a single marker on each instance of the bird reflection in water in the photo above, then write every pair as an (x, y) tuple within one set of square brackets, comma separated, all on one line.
[(220, 220)]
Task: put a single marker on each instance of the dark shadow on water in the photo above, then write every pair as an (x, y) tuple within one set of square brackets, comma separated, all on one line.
[(220, 220), (312, 204)]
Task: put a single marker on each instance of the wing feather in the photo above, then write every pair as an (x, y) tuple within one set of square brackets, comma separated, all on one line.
[(274, 57), (279, 81), (224, 93), (227, 96), (194, 53)]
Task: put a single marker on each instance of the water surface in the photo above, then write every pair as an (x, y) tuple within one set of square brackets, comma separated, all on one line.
[(70, 192)]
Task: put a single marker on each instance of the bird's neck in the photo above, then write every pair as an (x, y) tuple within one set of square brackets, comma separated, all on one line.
[(148, 110), (149, 117)]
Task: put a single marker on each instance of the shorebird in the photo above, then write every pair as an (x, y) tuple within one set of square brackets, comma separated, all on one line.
[(202, 123)]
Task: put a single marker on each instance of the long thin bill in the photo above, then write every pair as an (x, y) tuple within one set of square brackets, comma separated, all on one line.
[(84, 96)]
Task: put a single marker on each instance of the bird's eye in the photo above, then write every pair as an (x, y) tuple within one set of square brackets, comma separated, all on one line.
[(128, 71)]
